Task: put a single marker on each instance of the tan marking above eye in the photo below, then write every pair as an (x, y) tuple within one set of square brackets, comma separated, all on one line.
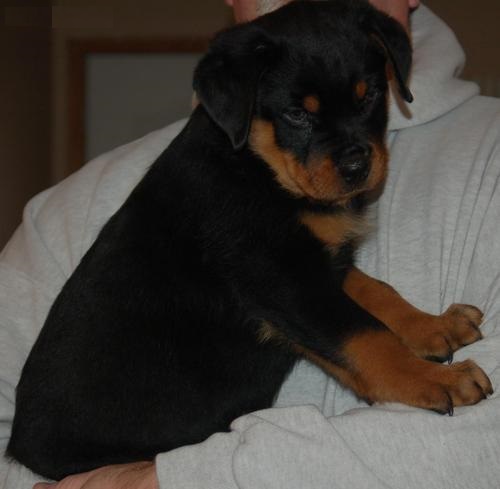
[(311, 103), (361, 89)]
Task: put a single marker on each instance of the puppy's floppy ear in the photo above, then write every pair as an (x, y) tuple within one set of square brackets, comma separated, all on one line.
[(391, 34), (227, 77)]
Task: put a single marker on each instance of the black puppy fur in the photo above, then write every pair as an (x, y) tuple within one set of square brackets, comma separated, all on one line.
[(193, 304)]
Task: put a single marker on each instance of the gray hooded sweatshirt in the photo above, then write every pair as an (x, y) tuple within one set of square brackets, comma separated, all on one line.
[(437, 240)]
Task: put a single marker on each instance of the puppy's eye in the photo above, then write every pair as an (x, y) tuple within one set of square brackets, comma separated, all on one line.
[(366, 94), (297, 116), (369, 98)]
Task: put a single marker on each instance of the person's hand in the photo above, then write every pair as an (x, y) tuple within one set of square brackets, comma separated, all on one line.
[(139, 475)]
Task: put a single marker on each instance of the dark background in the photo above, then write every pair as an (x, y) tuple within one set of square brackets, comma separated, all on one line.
[(34, 83)]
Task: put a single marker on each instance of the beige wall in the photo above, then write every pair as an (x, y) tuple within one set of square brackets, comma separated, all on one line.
[(149, 19), (24, 115), (476, 24), (33, 93), (187, 18), (34, 111)]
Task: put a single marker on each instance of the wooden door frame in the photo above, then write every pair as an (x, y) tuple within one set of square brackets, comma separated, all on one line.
[(78, 52)]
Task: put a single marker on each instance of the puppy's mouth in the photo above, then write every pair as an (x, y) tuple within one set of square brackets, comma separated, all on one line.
[(328, 181), (322, 178)]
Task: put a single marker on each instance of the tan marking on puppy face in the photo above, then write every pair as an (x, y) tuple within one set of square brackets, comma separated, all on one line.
[(379, 168), (374, 184), (361, 89), (311, 103), (335, 230), (317, 180)]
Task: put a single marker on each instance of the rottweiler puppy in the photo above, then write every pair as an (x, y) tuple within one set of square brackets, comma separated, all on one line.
[(233, 258)]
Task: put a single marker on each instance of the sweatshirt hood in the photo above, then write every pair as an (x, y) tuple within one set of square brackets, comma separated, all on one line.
[(438, 60)]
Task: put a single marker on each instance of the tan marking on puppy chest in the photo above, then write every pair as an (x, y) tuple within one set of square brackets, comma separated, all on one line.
[(317, 180), (335, 230), (311, 103)]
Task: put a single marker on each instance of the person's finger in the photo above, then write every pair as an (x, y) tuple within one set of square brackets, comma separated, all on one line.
[(71, 482)]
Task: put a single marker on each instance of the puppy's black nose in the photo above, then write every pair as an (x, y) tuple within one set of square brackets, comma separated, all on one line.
[(354, 163)]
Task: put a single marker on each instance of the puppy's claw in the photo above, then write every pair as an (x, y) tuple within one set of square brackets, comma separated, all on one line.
[(446, 407), (489, 389), (449, 358), (450, 405), (476, 327), (483, 393)]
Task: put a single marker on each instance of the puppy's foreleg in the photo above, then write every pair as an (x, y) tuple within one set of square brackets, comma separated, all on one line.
[(427, 335), (370, 359)]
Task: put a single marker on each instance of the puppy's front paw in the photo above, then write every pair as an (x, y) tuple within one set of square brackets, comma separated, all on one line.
[(462, 323), (382, 369), (437, 337), (446, 387), (458, 326)]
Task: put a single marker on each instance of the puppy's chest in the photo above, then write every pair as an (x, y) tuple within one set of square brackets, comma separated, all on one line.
[(335, 230)]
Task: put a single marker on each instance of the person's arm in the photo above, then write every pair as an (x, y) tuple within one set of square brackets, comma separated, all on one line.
[(30, 278), (384, 446), (298, 447), (140, 475), (381, 447), (58, 227)]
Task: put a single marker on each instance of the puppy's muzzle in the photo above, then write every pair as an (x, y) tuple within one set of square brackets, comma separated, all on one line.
[(354, 164)]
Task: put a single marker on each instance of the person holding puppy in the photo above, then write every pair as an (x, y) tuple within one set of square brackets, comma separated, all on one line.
[(436, 242)]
